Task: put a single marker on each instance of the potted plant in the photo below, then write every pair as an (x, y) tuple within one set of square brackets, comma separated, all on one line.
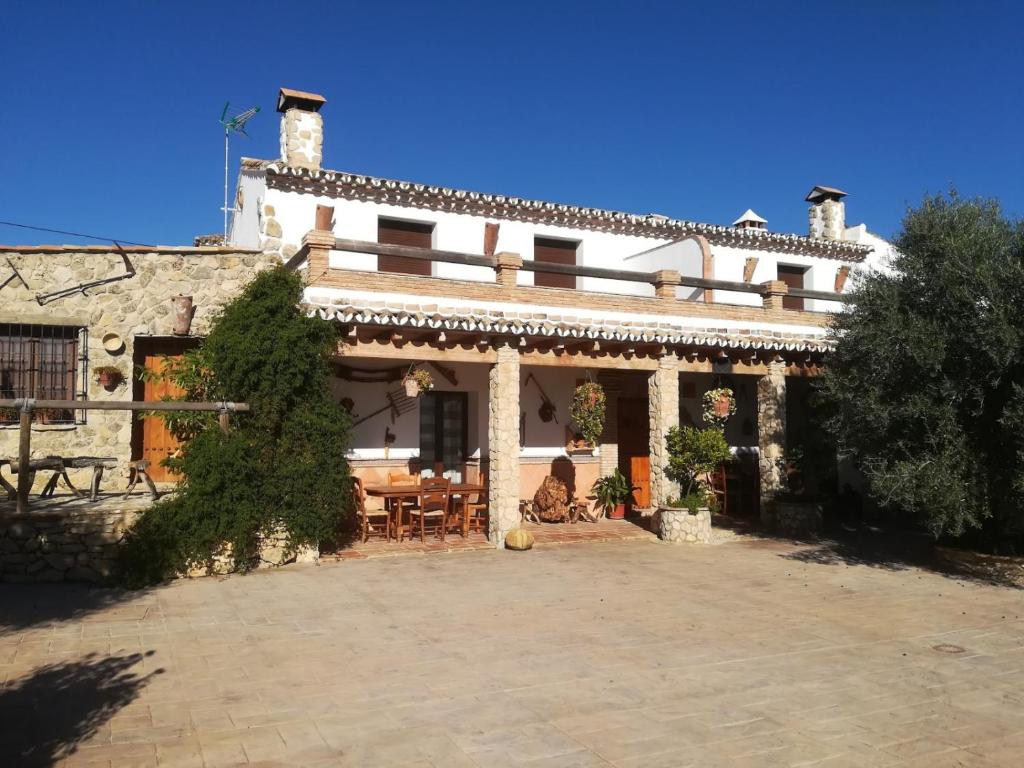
[(613, 492), (718, 405), (587, 413), (108, 376), (692, 455), (418, 381)]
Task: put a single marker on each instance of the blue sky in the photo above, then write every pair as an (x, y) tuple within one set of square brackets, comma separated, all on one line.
[(694, 110)]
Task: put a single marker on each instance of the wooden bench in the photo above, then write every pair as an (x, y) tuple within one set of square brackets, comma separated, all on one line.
[(59, 466)]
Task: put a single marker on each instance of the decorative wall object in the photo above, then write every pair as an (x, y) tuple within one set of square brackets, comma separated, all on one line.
[(181, 307)]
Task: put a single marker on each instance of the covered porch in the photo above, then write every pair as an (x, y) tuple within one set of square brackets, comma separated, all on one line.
[(498, 416)]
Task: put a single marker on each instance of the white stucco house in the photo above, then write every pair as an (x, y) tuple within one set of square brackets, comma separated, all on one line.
[(511, 302)]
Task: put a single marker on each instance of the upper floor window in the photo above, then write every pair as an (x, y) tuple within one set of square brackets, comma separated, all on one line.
[(419, 234), (554, 251), (45, 362), (794, 277)]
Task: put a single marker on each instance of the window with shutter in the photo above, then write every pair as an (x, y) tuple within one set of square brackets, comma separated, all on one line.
[(554, 252), (793, 277), (397, 232)]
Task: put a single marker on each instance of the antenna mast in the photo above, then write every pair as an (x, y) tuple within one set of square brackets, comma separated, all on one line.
[(236, 124)]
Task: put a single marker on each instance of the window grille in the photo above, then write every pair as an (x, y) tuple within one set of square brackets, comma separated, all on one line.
[(45, 362)]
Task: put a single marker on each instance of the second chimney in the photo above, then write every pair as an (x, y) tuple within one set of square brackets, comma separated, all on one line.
[(827, 216), (302, 128)]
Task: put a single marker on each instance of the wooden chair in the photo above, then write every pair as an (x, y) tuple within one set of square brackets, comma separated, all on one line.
[(372, 521), (399, 507), (477, 512), (719, 485), (432, 511)]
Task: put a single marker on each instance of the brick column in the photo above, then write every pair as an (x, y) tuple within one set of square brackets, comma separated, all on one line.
[(774, 291), (507, 269), (665, 283), (771, 434), (663, 406), (503, 443), (318, 245)]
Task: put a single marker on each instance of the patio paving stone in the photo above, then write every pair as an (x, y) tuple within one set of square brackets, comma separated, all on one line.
[(626, 652)]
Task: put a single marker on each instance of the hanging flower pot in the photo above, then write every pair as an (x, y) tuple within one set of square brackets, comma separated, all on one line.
[(588, 410), (417, 381), (719, 404), (108, 377)]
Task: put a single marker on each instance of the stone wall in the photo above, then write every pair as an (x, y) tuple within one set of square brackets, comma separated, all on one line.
[(663, 401), (797, 518), (67, 545), (503, 444), (136, 307), (771, 435)]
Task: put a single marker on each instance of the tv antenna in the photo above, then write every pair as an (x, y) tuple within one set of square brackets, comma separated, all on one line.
[(234, 124)]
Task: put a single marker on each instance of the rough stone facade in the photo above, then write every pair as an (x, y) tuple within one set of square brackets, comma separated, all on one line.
[(797, 518), (302, 139), (827, 219), (771, 435), (503, 443), (67, 545), (677, 525), (136, 307), (663, 403)]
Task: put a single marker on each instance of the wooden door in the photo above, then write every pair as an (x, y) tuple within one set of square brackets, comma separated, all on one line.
[(635, 448), (157, 442)]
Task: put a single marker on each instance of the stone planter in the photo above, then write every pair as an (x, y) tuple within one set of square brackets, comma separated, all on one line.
[(797, 518), (678, 526)]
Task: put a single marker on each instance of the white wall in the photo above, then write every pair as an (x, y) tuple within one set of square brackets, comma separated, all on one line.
[(245, 225)]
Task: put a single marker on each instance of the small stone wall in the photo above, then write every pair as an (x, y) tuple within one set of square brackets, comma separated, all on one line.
[(677, 525), (71, 545), (797, 518)]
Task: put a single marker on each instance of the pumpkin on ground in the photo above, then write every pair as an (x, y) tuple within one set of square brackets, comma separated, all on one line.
[(518, 539)]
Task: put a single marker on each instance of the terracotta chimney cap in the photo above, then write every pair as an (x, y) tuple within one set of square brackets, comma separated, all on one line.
[(289, 98), (820, 193)]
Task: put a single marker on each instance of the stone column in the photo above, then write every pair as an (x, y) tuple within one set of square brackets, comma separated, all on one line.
[(771, 434), (663, 405), (503, 443)]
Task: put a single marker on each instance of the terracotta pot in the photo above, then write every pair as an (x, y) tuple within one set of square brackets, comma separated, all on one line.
[(412, 387), (182, 310), (618, 512), (108, 379), (722, 407)]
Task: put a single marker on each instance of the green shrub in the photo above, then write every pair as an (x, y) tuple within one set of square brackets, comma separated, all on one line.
[(281, 467), (693, 454)]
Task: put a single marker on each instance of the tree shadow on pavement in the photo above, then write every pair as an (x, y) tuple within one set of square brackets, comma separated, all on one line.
[(900, 550), (50, 711), (33, 605)]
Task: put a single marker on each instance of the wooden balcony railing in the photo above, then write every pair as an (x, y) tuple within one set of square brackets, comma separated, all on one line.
[(317, 245)]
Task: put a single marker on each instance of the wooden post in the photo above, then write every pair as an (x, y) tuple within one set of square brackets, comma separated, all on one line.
[(225, 420), (24, 451)]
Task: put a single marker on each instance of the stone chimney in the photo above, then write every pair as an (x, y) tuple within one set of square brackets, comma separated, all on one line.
[(302, 128), (827, 215)]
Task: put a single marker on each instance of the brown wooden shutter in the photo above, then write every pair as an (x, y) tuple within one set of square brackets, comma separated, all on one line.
[(554, 252), (414, 233), (793, 277)]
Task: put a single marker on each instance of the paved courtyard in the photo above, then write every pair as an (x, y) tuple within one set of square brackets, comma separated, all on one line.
[(629, 653)]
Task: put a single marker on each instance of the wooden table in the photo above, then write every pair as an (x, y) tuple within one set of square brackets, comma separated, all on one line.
[(399, 492)]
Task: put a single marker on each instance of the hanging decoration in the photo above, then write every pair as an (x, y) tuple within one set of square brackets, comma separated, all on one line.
[(588, 411), (719, 404), (417, 381)]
